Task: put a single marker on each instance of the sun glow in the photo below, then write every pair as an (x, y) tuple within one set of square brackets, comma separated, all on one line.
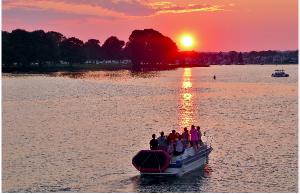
[(187, 41)]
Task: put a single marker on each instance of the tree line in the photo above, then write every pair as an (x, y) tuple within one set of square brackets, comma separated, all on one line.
[(252, 57), (145, 48)]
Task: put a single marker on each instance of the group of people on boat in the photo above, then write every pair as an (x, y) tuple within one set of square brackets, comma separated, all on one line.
[(175, 143)]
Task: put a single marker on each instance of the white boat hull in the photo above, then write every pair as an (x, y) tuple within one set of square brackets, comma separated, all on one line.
[(185, 163)]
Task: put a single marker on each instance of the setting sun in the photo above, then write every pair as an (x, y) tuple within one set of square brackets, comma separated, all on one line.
[(187, 41)]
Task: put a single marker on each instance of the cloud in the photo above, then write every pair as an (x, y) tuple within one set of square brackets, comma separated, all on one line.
[(112, 8), (61, 6), (38, 16), (127, 7), (107, 9), (169, 7)]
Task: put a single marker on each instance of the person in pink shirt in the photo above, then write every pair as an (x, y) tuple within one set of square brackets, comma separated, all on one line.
[(194, 137)]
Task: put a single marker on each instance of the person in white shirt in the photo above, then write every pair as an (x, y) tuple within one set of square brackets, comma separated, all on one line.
[(179, 148)]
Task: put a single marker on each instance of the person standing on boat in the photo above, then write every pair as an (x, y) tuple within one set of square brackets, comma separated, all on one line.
[(199, 136), (171, 140), (179, 148), (170, 145), (194, 137), (162, 142), (153, 143), (172, 136), (185, 137)]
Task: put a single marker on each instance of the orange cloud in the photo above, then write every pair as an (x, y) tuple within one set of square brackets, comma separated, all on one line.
[(187, 10), (169, 7)]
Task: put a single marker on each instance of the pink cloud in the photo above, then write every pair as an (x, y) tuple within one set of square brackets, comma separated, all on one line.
[(66, 7), (110, 8)]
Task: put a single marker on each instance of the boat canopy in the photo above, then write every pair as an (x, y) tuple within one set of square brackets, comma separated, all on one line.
[(151, 161)]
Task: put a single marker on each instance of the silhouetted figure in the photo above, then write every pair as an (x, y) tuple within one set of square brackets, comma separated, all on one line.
[(162, 142), (199, 136), (185, 137), (172, 136), (153, 143), (214, 77)]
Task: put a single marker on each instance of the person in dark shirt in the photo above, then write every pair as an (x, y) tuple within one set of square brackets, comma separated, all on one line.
[(172, 136), (185, 137), (199, 136), (162, 142), (153, 143)]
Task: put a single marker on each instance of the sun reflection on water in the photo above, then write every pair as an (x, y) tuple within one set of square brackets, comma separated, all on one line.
[(186, 111)]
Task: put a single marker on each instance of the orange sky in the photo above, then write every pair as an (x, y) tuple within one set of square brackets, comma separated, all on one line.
[(216, 25)]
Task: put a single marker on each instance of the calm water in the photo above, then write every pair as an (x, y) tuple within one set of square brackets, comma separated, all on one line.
[(78, 132)]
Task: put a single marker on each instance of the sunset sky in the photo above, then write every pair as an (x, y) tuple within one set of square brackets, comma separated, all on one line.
[(215, 25)]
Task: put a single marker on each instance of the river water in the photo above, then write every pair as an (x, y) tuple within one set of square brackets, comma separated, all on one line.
[(78, 132)]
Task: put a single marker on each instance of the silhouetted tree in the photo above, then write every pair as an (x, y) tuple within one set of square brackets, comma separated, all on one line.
[(267, 53), (92, 50), (54, 39), (188, 57), (112, 48), (7, 49), (233, 55), (22, 47), (39, 47), (240, 58), (146, 48), (26, 48), (149, 48), (72, 50)]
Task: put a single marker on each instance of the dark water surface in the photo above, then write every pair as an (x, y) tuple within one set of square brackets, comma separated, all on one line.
[(78, 132)]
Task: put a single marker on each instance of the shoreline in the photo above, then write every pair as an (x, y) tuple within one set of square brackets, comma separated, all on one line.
[(86, 67), (105, 67), (65, 68)]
